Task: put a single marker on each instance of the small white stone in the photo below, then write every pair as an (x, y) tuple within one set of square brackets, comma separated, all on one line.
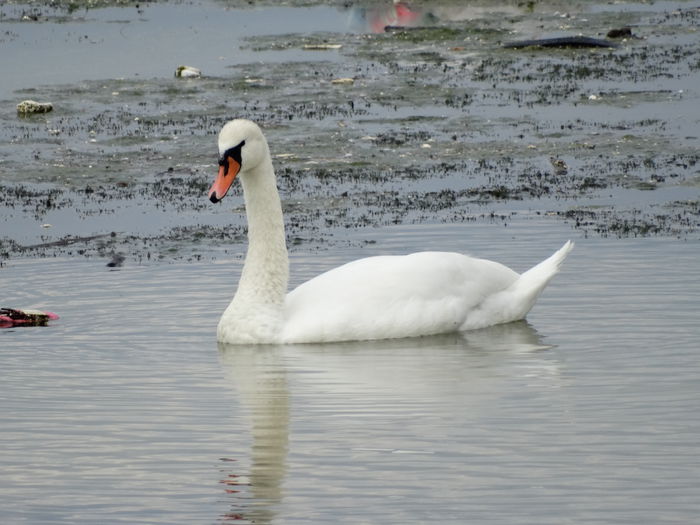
[(187, 72)]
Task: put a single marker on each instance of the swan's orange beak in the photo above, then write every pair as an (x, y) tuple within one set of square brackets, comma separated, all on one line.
[(228, 169)]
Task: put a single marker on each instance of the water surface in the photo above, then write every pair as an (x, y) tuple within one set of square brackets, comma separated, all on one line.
[(126, 409)]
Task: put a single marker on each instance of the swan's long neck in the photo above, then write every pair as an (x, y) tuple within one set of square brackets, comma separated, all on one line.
[(266, 269)]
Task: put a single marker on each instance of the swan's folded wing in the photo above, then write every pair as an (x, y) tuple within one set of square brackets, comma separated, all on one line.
[(392, 296)]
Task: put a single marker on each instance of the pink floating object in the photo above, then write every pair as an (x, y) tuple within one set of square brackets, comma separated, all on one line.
[(10, 317)]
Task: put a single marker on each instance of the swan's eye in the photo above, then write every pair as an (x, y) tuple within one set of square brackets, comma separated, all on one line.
[(231, 153)]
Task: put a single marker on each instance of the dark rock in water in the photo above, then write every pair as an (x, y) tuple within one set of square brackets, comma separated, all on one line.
[(623, 32), (567, 41), (117, 260)]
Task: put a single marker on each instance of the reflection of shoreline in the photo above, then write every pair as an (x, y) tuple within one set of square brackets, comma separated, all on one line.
[(364, 374)]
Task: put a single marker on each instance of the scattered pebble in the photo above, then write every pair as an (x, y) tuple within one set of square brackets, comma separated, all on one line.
[(560, 167)]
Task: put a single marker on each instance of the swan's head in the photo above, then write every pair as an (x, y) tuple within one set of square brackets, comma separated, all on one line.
[(242, 147)]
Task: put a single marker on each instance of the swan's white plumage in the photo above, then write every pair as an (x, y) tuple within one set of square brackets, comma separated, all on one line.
[(392, 296), (373, 298)]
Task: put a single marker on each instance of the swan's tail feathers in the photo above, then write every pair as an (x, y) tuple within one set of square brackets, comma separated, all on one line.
[(529, 286), (539, 275), (514, 302)]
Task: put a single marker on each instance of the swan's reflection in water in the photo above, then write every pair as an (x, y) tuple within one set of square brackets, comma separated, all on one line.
[(358, 375), (258, 375)]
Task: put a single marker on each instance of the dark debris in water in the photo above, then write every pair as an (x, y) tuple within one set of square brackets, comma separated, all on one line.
[(566, 41), (439, 123)]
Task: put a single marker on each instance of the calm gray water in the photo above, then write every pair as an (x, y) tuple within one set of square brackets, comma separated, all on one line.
[(126, 411)]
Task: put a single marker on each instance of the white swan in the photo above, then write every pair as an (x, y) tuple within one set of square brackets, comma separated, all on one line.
[(374, 298)]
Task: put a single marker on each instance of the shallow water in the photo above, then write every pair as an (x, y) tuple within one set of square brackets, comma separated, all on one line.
[(126, 410), (148, 40)]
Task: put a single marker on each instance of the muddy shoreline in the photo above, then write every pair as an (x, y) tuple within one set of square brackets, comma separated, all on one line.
[(436, 122)]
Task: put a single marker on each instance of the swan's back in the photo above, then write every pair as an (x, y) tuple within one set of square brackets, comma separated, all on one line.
[(392, 296)]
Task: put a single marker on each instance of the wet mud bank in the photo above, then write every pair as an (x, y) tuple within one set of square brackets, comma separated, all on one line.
[(430, 119)]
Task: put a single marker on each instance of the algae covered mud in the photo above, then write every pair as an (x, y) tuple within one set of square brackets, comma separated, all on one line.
[(376, 113)]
